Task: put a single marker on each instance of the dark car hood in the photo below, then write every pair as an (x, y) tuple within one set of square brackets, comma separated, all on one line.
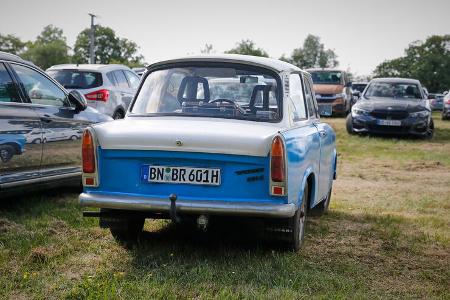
[(374, 103)]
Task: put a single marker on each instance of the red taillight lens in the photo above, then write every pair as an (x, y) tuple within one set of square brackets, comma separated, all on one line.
[(277, 160), (100, 95), (448, 101), (88, 152)]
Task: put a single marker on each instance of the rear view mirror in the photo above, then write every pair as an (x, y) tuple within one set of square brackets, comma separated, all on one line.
[(78, 100)]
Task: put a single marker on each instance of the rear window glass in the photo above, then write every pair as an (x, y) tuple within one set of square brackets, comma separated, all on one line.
[(239, 92), (74, 79)]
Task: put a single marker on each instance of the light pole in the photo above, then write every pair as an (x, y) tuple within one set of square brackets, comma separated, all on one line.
[(92, 40)]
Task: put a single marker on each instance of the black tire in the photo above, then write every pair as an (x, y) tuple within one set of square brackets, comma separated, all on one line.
[(124, 230), (73, 138), (322, 208), (430, 130), (36, 141), (298, 222), (118, 114), (349, 124), (6, 153)]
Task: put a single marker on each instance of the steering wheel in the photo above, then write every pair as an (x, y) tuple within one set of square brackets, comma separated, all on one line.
[(235, 105)]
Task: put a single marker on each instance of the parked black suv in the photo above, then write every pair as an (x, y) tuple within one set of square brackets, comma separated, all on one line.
[(392, 106), (40, 127)]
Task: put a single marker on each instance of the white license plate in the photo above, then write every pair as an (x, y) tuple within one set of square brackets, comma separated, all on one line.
[(389, 122), (325, 110), (165, 174)]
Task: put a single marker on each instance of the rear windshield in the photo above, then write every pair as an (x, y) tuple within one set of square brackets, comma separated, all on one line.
[(393, 90), (326, 77), (223, 92), (74, 79)]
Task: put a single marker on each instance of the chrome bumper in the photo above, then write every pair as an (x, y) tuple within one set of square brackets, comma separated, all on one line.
[(150, 204)]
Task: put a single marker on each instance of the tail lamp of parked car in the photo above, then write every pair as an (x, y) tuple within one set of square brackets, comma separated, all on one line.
[(278, 176), (90, 173), (447, 102), (100, 95)]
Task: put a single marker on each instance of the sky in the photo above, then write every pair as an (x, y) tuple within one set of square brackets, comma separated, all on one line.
[(363, 33)]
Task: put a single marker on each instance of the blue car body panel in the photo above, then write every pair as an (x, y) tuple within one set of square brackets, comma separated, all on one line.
[(243, 178)]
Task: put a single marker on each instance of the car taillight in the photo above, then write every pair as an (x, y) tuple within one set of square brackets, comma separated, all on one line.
[(88, 152), (100, 95), (448, 102), (277, 163)]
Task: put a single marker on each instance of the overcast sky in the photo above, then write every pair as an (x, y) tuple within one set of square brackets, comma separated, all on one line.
[(363, 33)]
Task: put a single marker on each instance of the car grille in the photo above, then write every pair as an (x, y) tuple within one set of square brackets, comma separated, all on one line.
[(389, 114), (326, 95)]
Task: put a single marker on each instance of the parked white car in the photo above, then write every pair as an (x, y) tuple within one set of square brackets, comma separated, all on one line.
[(107, 88)]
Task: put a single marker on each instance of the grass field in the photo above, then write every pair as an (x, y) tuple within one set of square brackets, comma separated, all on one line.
[(387, 236)]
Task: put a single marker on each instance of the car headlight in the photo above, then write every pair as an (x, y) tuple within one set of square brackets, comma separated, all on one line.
[(420, 114), (359, 112)]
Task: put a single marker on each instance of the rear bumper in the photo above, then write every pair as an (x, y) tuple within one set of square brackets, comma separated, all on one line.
[(160, 205)]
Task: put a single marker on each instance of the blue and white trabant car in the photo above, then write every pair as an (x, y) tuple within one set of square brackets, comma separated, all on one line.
[(208, 136)]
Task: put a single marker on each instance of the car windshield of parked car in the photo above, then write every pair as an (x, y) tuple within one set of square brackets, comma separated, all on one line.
[(326, 77), (74, 79), (359, 87), (395, 90), (223, 92)]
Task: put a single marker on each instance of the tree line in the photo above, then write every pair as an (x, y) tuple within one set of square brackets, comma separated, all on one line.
[(428, 61), (50, 48)]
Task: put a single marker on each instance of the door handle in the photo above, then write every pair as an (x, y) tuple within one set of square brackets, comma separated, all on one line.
[(322, 133)]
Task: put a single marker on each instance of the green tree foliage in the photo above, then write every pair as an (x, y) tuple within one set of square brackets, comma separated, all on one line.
[(247, 47), (312, 54), (427, 61), (108, 48), (50, 48), (11, 44)]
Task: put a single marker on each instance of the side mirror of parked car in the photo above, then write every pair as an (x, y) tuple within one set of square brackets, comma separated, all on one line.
[(77, 99)]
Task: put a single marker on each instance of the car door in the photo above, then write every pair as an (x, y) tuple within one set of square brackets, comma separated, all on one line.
[(20, 134), (126, 92), (61, 154), (326, 163), (302, 140)]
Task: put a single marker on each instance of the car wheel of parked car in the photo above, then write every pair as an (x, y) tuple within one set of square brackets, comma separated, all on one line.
[(298, 221), (36, 141), (349, 124), (118, 114), (430, 130), (6, 153), (322, 207)]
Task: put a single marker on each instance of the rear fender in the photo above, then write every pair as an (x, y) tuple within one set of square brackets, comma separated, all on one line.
[(312, 189)]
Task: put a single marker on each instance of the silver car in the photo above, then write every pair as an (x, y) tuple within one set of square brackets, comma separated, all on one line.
[(107, 88)]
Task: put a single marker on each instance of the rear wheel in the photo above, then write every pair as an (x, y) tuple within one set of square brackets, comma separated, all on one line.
[(123, 229), (349, 124), (297, 223)]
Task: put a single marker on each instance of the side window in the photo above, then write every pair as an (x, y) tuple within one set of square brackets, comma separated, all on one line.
[(39, 88), (112, 78), (310, 99), (295, 92), (133, 79), (8, 90), (121, 79)]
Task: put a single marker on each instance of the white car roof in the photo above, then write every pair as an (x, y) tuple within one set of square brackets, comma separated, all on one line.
[(90, 67), (274, 64)]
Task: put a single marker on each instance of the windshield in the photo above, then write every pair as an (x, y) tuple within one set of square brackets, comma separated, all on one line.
[(326, 77), (242, 92), (74, 79), (393, 90)]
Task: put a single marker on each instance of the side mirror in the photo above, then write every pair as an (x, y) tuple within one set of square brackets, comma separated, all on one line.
[(78, 100)]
